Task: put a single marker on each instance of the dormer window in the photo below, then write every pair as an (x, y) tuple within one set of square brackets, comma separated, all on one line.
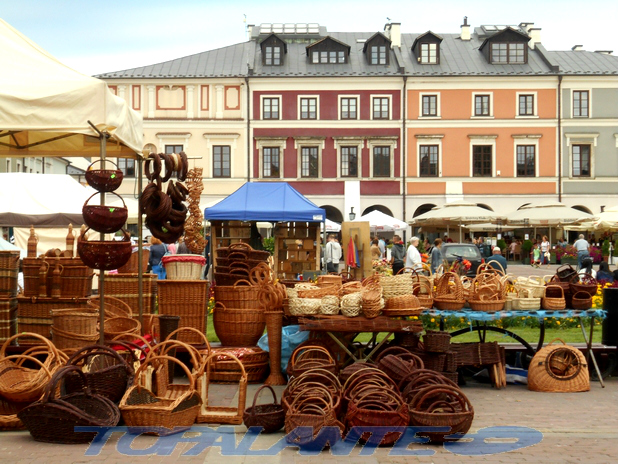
[(273, 50), (508, 46), (377, 49), (328, 51), (426, 48)]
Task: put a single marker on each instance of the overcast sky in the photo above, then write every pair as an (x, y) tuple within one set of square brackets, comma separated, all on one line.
[(94, 37)]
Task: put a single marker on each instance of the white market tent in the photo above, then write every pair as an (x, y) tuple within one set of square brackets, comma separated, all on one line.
[(45, 106), (50, 110), (379, 221)]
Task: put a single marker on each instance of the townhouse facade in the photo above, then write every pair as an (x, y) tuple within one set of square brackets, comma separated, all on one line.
[(389, 121)]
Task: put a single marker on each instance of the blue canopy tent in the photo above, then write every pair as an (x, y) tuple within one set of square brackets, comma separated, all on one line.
[(266, 202)]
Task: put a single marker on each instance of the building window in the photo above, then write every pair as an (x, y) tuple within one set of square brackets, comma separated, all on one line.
[(349, 161), (272, 56), (325, 57), (270, 162), (221, 161), (171, 149), (526, 105), (429, 160), (381, 161), (348, 108), (481, 160), (430, 105), (526, 160), (581, 160), (429, 53), (380, 108), (503, 53), (309, 162), (481, 105), (270, 108), (580, 104), (378, 54), (127, 166), (308, 108)]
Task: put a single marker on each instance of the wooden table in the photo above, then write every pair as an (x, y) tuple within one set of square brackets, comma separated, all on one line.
[(338, 326)]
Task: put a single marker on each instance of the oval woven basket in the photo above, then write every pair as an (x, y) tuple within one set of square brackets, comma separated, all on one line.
[(104, 180), (558, 368), (238, 327), (103, 218), (104, 255)]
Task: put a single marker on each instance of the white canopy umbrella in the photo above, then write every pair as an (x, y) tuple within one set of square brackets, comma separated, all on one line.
[(551, 213), (607, 220), (487, 227), (331, 226), (382, 222), (547, 214), (456, 213)]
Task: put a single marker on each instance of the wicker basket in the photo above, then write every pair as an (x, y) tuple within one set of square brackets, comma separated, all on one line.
[(581, 300), (423, 290), (131, 266), (329, 304), (9, 272), (183, 267), (34, 315), (210, 413), (238, 327), (554, 298), (351, 304), (142, 408), (53, 419), (533, 284), (187, 299), (397, 285), (125, 288), (525, 303), (103, 218), (449, 294), (559, 369), (104, 180), (403, 305), (8, 318), (304, 306), (104, 255), (270, 417), (115, 326), (585, 283), (242, 295), (437, 342), (330, 279), (565, 273)]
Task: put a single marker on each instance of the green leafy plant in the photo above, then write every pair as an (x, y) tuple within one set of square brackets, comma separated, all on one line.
[(526, 247), (501, 244), (269, 245), (605, 248)]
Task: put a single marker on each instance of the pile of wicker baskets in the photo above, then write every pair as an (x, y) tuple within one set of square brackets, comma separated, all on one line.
[(235, 263)]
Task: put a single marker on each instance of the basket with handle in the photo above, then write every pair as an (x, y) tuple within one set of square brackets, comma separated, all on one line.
[(238, 327), (224, 414), (565, 273), (104, 254), (449, 294), (558, 368), (104, 180), (524, 302), (581, 300), (305, 418), (241, 295), (103, 218), (53, 418), (436, 341), (533, 283), (140, 407), (423, 290), (269, 416), (554, 298), (585, 283), (105, 372)]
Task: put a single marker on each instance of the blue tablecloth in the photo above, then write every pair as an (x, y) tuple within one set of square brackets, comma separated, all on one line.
[(539, 314)]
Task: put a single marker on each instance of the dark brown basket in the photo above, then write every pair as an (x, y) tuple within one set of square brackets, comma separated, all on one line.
[(271, 417), (104, 180), (108, 374), (565, 273), (581, 300), (53, 420), (585, 283), (104, 255), (103, 218), (437, 342)]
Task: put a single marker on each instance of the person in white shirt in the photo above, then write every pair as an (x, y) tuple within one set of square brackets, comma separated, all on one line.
[(413, 257), (332, 254), (583, 250)]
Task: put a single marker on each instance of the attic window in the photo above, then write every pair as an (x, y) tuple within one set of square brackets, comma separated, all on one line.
[(378, 54), (327, 56), (502, 53), (272, 55), (429, 53)]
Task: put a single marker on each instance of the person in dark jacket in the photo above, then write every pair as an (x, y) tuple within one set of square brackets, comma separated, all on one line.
[(157, 251), (436, 255), (398, 254)]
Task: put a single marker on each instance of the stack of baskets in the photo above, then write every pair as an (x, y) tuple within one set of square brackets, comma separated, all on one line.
[(187, 299), (74, 328), (309, 299), (236, 262), (254, 360), (530, 291), (9, 270)]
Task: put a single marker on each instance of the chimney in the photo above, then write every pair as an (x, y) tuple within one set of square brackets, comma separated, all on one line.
[(250, 30), (393, 32), (465, 29), (535, 36), (577, 48)]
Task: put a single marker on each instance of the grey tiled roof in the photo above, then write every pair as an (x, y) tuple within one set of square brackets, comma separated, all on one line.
[(584, 63), (457, 58)]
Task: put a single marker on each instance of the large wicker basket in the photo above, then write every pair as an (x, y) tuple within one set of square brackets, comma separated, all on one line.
[(187, 299), (558, 368), (184, 267), (238, 327)]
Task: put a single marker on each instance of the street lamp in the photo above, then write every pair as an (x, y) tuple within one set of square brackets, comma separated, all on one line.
[(352, 214)]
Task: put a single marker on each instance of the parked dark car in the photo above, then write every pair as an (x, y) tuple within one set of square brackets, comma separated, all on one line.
[(452, 251)]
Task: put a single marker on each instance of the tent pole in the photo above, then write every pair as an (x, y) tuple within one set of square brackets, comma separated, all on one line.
[(103, 149), (140, 247)]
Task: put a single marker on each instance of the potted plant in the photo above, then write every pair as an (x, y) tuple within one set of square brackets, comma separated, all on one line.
[(605, 250), (526, 247), (502, 245), (553, 258)]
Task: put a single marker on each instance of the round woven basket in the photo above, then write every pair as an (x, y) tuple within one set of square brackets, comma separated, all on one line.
[(104, 180), (558, 368), (238, 327), (104, 255), (103, 218), (183, 267)]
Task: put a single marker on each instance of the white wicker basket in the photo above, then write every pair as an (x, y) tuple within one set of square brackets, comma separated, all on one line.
[(180, 270)]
